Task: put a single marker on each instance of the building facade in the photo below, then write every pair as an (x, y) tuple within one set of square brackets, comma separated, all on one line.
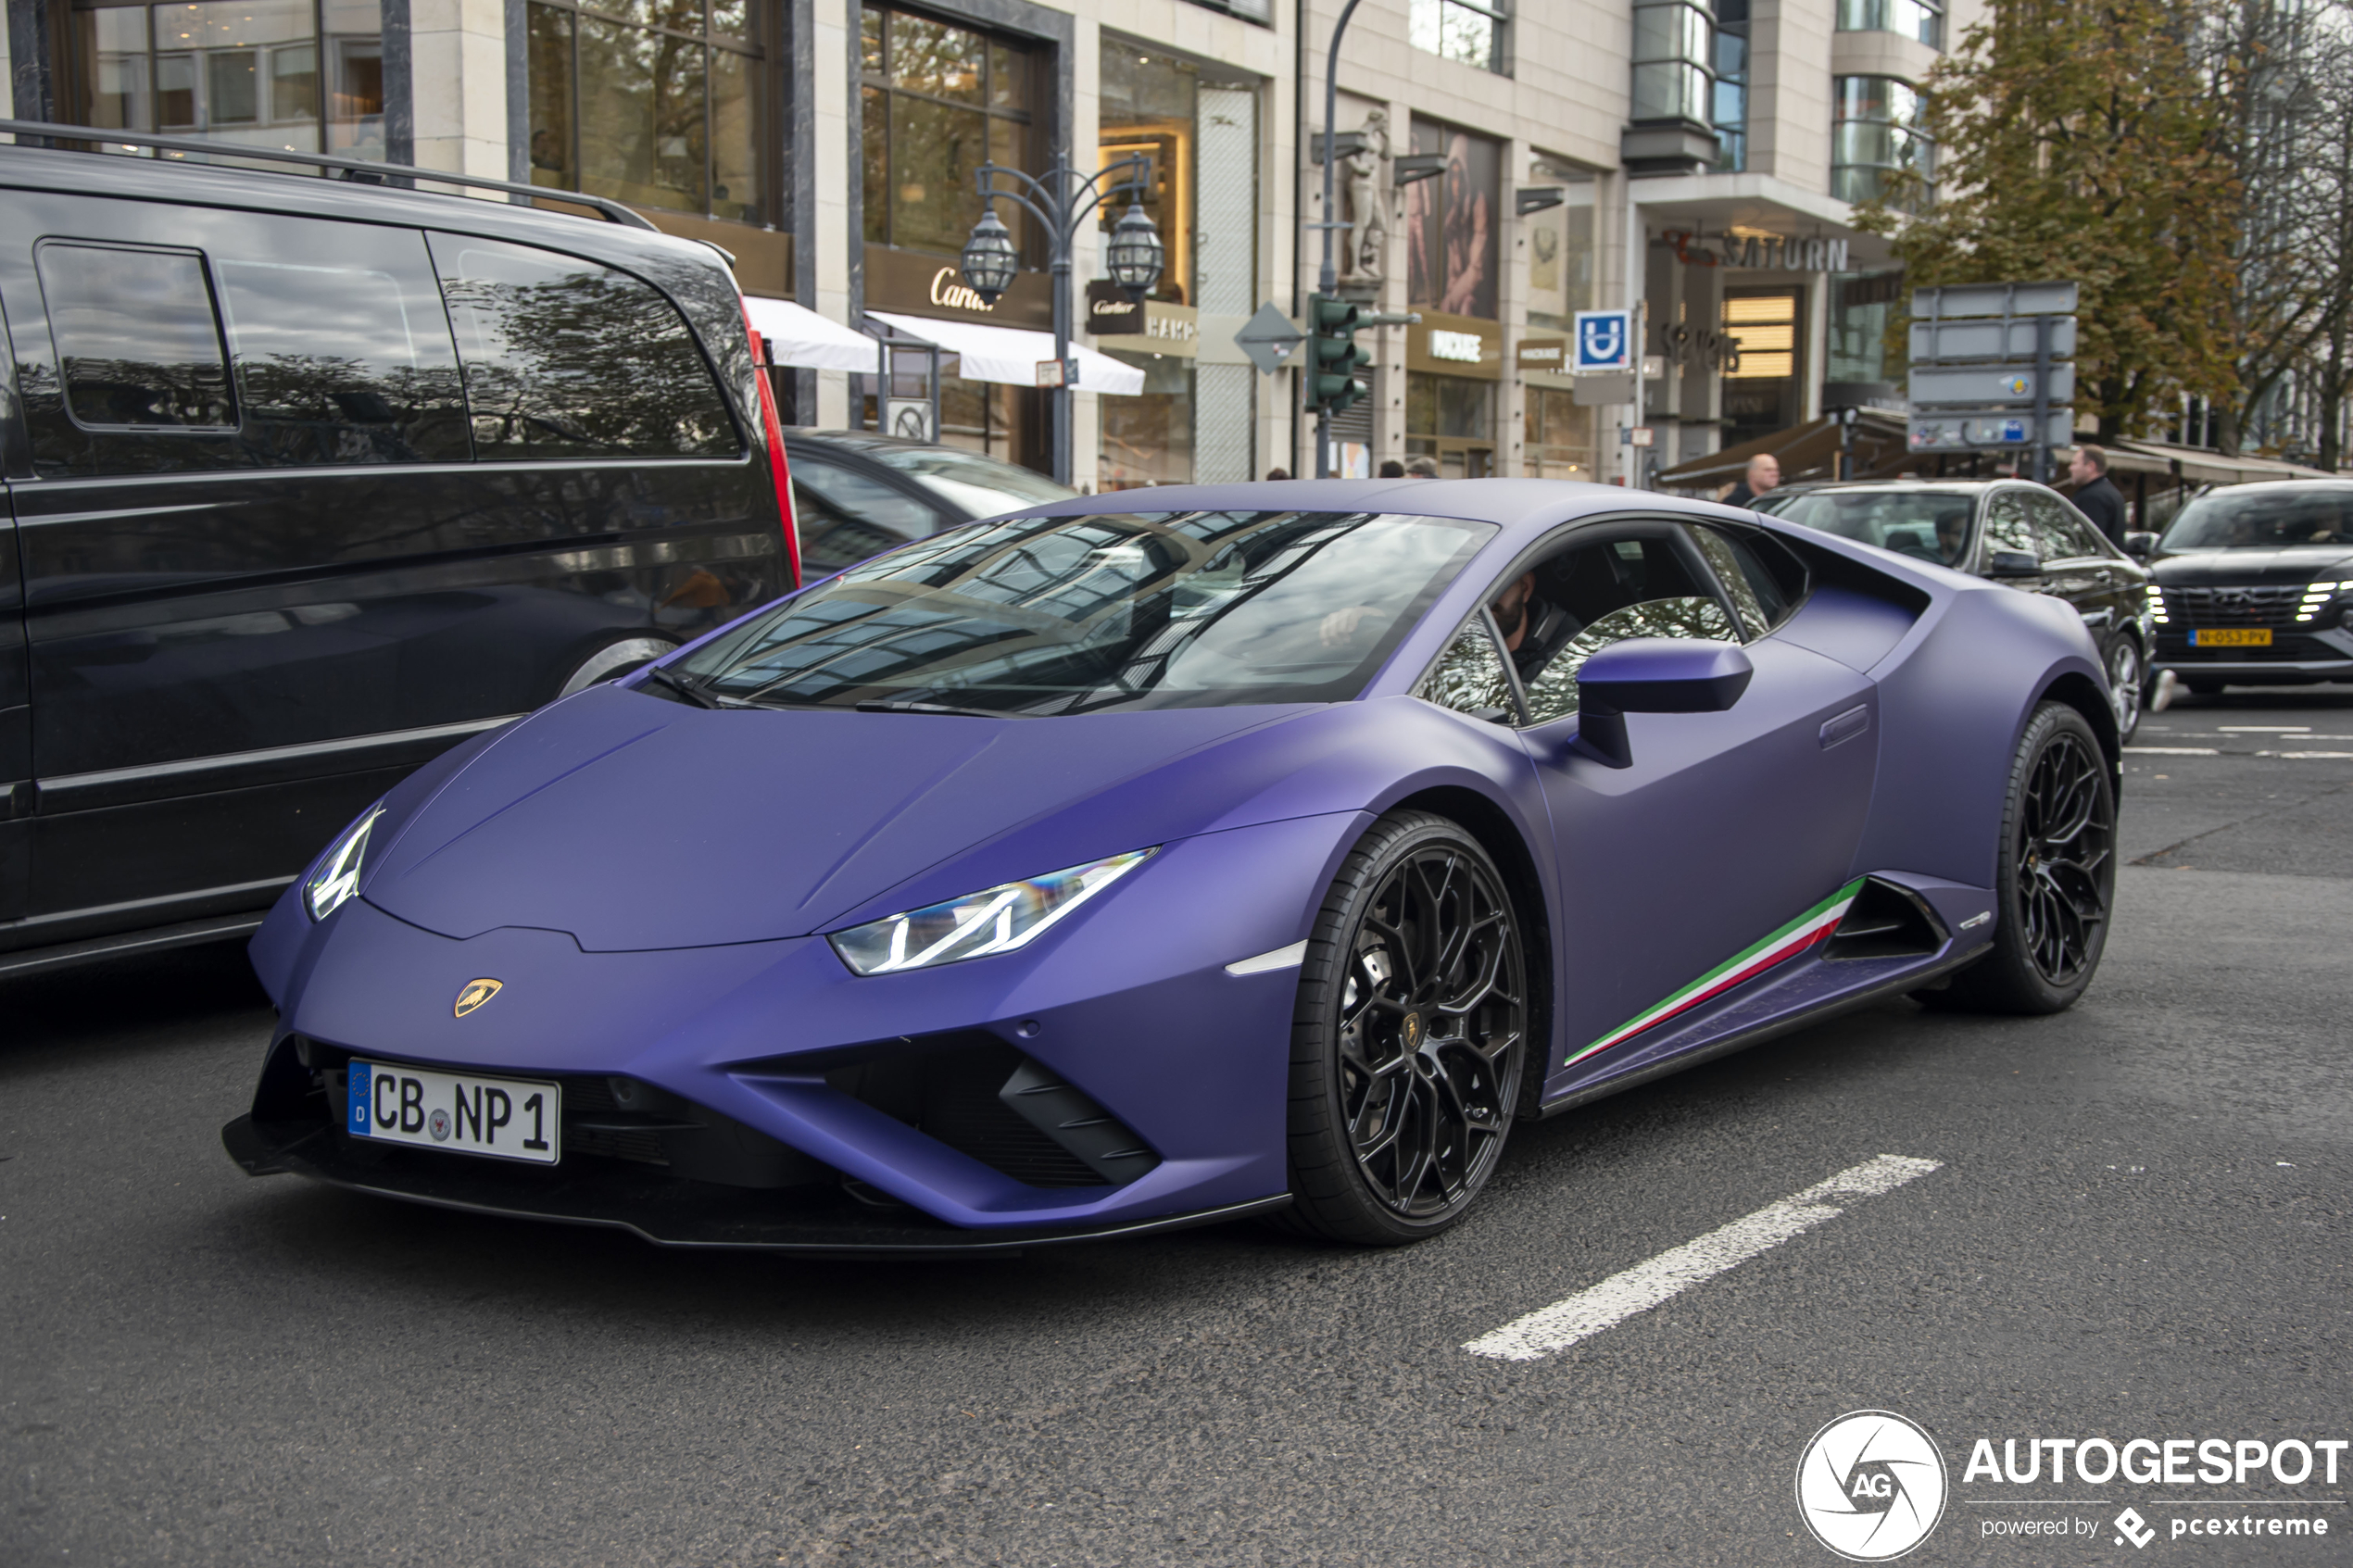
[(1510, 165)]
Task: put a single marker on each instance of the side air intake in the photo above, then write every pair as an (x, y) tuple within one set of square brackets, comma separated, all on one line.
[(1886, 922)]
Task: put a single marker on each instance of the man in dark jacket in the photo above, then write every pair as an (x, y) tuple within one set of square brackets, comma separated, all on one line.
[(2095, 496), (1764, 473)]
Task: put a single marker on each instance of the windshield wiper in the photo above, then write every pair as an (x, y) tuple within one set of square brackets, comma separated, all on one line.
[(880, 706), (685, 691)]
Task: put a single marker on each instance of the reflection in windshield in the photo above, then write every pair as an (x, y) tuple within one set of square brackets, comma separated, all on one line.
[(1070, 615), (2265, 520), (1923, 524)]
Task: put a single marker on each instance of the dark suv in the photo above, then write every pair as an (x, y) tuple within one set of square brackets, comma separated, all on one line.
[(309, 479), (2259, 586), (2014, 532)]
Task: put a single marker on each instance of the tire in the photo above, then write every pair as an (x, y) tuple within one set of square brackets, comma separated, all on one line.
[(614, 660), (2054, 878), (1409, 1042), (2127, 686)]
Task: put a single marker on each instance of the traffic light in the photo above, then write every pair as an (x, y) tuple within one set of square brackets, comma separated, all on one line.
[(1332, 384)]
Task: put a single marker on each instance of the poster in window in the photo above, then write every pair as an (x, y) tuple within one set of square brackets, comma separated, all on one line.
[(1451, 223), (1560, 251)]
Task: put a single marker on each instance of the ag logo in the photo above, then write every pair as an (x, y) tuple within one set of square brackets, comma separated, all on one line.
[(1870, 1485), (476, 993)]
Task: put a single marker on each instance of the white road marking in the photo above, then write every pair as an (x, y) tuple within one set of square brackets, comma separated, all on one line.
[(2264, 729), (1645, 1285), (2171, 751), (2308, 756)]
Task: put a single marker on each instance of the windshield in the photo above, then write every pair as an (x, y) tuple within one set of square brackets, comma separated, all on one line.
[(2264, 520), (1040, 616), (981, 487), (1924, 524)]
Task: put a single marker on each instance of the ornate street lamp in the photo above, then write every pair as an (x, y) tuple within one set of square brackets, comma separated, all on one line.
[(990, 259), (1135, 256), (1061, 201)]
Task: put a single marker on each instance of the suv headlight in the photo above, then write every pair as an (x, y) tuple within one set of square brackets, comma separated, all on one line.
[(994, 921), (337, 877)]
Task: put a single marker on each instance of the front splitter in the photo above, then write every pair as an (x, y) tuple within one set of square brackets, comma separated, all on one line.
[(666, 1211)]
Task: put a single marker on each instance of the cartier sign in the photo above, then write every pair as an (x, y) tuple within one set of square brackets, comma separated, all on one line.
[(929, 285), (1109, 310)]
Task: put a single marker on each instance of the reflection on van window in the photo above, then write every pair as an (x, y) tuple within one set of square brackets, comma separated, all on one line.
[(137, 341), (332, 368), (565, 358)]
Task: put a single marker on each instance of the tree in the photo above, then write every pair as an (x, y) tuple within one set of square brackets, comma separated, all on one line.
[(2276, 72), (2081, 143)]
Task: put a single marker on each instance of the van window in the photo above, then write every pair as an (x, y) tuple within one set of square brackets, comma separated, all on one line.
[(137, 339), (344, 363), (565, 358)]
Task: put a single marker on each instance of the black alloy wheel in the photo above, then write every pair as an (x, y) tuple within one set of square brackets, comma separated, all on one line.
[(2126, 685), (1410, 1039), (2055, 878)]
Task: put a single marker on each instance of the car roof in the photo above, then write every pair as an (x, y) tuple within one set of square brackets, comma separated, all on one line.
[(311, 196)]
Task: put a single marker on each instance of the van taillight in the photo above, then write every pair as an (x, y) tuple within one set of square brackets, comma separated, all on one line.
[(778, 470)]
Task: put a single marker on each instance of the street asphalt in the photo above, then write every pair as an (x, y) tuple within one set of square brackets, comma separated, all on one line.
[(2137, 1227)]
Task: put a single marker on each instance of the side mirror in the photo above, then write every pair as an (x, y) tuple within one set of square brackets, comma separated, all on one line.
[(2012, 563), (1653, 675), (2139, 544)]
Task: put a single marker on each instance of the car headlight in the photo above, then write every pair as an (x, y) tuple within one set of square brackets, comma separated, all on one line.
[(994, 921), (337, 877), (2316, 599)]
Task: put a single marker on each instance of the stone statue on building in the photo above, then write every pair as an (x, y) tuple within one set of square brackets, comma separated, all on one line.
[(1367, 209)]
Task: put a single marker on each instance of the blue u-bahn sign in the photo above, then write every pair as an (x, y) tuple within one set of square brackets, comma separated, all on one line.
[(1604, 340)]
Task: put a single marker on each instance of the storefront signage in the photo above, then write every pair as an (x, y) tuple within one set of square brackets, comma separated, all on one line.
[(1770, 253), (1461, 346), (1171, 328), (919, 285), (1543, 354), (1109, 312), (1455, 345)]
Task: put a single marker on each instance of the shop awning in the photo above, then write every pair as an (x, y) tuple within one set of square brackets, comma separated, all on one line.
[(798, 335), (1012, 354), (2197, 466), (1805, 452)]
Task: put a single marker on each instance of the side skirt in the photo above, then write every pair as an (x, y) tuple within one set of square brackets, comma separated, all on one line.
[(1741, 1037)]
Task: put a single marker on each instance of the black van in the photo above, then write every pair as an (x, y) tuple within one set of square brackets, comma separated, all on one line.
[(308, 478)]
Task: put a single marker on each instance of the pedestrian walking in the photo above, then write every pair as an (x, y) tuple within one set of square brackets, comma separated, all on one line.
[(1764, 473), (2095, 496)]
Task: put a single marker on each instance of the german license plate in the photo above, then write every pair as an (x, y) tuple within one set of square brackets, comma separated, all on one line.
[(505, 1118), (2233, 637)]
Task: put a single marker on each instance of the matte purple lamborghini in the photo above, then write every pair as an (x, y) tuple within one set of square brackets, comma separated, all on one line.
[(1147, 860)]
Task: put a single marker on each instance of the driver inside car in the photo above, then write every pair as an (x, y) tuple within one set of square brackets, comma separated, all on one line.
[(1533, 628)]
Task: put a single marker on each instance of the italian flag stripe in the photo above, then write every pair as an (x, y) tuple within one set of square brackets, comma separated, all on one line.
[(1815, 926)]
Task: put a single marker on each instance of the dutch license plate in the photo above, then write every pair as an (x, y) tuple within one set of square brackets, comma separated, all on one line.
[(505, 1118), (2233, 637)]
